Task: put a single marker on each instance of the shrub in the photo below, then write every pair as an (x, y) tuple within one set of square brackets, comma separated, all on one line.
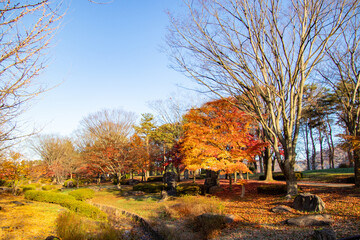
[(48, 187), (82, 194), (70, 183), (149, 187), (209, 226), (2, 182), (343, 165), (155, 179), (188, 189), (28, 187), (71, 226), (281, 177), (272, 189), (66, 201), (191, 206)]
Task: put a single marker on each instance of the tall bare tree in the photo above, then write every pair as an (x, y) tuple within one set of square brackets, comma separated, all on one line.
[(104, 138), (26, 28), (59, 154), (264, 50), (343, 75)]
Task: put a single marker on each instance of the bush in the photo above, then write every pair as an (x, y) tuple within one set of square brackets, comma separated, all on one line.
[(155, 179), (209, 225), (188, 189), (281, 177), (2, 182), (48, 187), (71, 226), (28, 187), (66, 201), (70, 183), (149, 187), (343, 165), (272, 189), (82, 194)]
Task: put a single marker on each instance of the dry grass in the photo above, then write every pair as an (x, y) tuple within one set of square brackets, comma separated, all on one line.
[(31, 221)]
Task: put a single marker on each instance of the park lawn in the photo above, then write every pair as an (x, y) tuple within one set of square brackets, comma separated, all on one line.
[(329, 175), (34, 220), (253, 219)]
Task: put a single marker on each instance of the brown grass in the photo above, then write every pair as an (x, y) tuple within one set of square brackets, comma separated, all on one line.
[(31, 221)]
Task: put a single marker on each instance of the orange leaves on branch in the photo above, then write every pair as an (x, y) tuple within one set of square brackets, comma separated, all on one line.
[(218, 136)]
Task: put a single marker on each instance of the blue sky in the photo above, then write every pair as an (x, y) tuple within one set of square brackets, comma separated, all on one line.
[(106, 56)]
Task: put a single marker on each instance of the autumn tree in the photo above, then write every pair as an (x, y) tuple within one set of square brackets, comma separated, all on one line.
[(264, 50), (59, 154), (145, 130), (104, 140), (26, 30), (14, 167), (219, 137)]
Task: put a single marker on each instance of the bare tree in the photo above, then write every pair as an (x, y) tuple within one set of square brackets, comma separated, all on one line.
[(59, 154), (264, 51), (26, 28), (343, 76), (104, 140)]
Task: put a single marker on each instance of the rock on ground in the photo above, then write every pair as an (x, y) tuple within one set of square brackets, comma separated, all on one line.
[(311, 220), (307, 202)]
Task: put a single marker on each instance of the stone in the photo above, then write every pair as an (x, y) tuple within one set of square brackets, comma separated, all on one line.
[(281, 209), (307, 202), (324, 234), (164, 195), (52, 238), (18, 203), (211, 180), (215, 189), (169, 179), (311, 220)]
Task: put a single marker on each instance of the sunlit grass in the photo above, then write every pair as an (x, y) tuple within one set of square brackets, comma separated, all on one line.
[(31, 221)]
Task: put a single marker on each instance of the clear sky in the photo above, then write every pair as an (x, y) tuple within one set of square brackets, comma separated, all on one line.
[(106, 56)]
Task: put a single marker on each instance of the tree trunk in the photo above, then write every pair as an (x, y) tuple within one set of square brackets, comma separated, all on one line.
[(268, 165), (307, 151), (313, 156), (321, 149), (357, 168), (118, 185), (289, 173), (230, 182)]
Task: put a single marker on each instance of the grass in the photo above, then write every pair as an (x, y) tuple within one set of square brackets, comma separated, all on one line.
[(328, 175), (30, 221)]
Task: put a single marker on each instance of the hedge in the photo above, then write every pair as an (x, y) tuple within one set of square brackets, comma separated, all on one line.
[(48, 187), (66, 201), (281, 177), (28, 187), (188, 189), (149, 187), (155, 179), (82, 194), (74, 183)]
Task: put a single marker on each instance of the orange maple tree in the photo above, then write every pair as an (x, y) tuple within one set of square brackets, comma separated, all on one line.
[(219, 137)]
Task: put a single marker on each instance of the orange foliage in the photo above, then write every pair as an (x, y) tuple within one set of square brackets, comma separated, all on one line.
[(218, 136)]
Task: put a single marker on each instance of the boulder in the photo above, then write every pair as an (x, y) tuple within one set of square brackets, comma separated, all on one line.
[(164, 195), (307, 202), (18, 203), (281, 209), (169, 179), (52, 238), (311, 220), (324, 234)]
